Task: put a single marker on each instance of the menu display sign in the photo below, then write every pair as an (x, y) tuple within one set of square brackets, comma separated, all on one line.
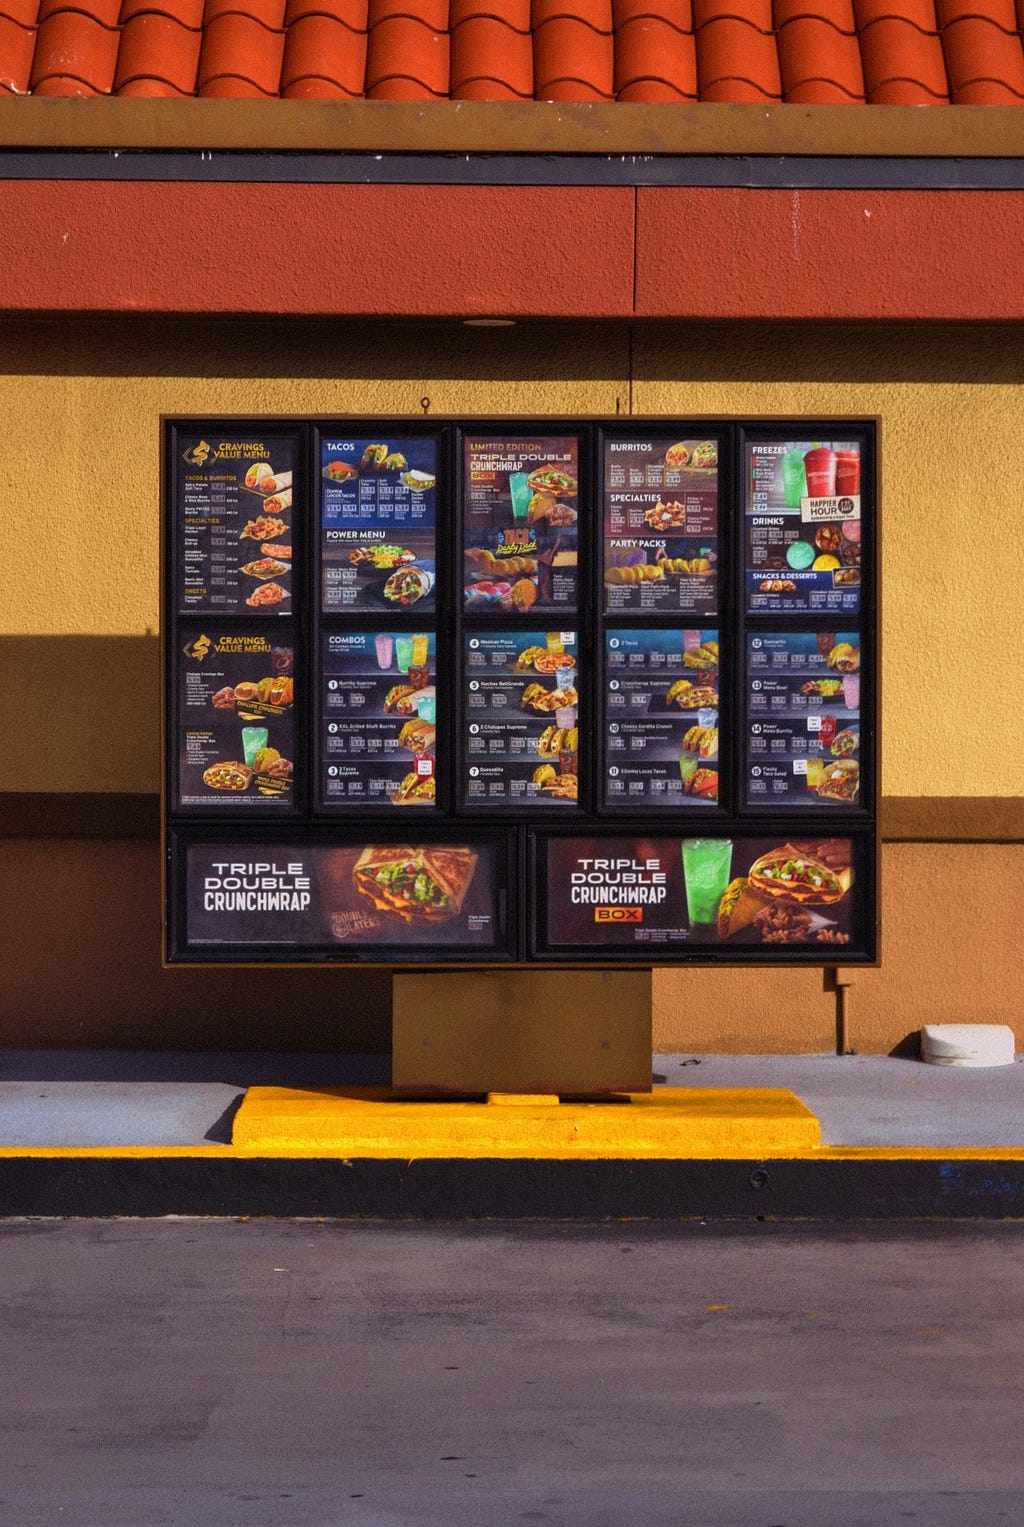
[(803, 526), (234, 500), (664, 893), (522, 718), (388, 897), (520, 513), (607, 674), (235, 708), (803, 719), (378, 718), (661, 718), (661, 525), (378, 522)]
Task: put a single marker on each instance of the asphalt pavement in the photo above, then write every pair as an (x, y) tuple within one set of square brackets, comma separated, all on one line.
[(338, 1374)]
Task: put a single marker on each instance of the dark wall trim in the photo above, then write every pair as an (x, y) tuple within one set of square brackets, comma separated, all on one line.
[(904, 819), (762, 172)]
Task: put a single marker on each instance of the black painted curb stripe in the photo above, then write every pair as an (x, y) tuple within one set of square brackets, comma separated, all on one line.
[(88, 1187)]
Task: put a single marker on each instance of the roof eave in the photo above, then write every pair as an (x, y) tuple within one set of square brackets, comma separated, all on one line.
[(536, 127)]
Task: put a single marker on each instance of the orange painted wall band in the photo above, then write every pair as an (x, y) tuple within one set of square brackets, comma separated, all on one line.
[(455, 251), (415, 251)]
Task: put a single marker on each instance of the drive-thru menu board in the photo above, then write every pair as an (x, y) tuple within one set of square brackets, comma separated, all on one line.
[(509, 692)]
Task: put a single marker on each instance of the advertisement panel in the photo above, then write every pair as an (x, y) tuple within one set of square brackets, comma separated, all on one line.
[(378, 522), (661, 709), (660, 514), (388, 898), (234, 713), (803, 526), (522, 713), (379, 718), (803, 719), (674, 894), (234, 501), (520, 523)]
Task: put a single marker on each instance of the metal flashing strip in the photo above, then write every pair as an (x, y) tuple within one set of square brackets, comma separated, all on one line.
[(756, 171)]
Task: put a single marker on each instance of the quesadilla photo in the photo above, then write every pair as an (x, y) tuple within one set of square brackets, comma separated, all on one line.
[(427, 884)]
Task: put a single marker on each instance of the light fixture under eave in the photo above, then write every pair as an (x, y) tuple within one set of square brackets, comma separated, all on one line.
[(489, 323)]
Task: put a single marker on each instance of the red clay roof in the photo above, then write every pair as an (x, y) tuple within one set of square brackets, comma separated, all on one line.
[(883, 52)]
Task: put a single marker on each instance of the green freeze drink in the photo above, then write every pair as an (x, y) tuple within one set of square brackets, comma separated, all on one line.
[(706, 864)]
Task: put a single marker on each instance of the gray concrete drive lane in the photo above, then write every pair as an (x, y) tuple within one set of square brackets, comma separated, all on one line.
[(308, 1374)]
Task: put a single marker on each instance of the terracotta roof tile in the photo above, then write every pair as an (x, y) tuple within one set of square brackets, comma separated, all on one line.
[(838, 12), (351, 13), (596, 13), (321, 49), (17, 46), (1001, 12), (106, 12), (188, 13), (903, 66), (72, 49), (24, 12), (491, 61), (980, 56), (432, 13), (678, 13), (886, 52), (753, 13), (269, 12), (736, 62), (240, 57), (514, 13), (920, 13), (819, 63), (406, 60), (654, 61), (572, 61), (159, 50)]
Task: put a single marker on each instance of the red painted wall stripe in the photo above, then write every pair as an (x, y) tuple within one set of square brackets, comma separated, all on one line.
[(422, 251), (463, 251), (829, 254)]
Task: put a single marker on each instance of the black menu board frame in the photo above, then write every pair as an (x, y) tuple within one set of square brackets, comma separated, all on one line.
[(684, 756)]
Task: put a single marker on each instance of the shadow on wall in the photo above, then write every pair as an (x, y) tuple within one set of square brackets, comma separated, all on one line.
[(401, 350), (309, 349), (89, 714), (82, 966)]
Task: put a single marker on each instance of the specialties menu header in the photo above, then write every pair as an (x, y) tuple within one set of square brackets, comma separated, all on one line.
[(234, 505), (803, 526), (661, 525), (378, 522), (520, 510)]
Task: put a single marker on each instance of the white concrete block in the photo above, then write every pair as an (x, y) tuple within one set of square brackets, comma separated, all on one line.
[(967, 1044)]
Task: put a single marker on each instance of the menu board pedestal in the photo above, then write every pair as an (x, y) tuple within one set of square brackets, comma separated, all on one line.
[(558, 1032)]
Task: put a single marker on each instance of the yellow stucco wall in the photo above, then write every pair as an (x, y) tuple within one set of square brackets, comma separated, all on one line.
[(80, 401)]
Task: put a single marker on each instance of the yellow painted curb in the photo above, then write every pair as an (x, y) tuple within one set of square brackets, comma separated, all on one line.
[(671, 1123)]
